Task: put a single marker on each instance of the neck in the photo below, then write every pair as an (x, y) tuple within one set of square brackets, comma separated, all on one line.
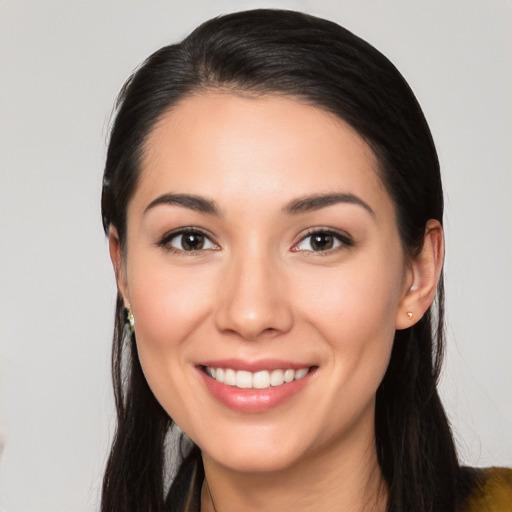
[(345, 476)]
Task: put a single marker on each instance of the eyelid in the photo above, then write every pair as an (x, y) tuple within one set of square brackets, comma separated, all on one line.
[(169, 235), (344, 239)]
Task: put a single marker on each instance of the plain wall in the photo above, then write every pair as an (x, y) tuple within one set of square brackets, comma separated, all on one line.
[(61, 65)]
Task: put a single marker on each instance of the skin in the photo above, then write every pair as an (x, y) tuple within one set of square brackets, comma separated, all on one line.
[(258, 289)]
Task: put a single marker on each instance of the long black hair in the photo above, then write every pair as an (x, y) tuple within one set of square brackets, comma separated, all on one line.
[(318, 62)]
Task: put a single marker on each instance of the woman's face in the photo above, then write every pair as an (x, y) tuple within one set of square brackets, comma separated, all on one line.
[(262, 247)]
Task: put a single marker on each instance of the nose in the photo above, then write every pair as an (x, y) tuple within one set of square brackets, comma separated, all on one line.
[(253, 300)]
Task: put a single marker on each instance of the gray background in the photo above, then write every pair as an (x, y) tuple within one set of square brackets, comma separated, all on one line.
[(61, 65)]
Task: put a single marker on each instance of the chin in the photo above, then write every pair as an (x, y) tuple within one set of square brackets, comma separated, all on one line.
[(253, 461), (260, 450)]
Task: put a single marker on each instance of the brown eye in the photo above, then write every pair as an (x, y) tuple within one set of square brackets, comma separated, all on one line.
[(320, 241), (192, 241), (188, 241)]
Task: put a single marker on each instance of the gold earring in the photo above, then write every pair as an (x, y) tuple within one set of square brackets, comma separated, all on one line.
[(409, 314)]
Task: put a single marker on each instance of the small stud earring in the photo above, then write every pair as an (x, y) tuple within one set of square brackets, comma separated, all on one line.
[(409, 314)]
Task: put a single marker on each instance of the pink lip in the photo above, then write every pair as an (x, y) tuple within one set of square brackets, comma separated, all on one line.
[(254, 366), (253, 400)]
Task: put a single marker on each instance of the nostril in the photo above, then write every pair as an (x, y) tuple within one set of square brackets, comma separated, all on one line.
[(252, 313)]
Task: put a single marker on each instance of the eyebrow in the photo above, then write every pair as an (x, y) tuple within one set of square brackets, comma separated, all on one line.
[(196, 203), (301, 205), (317, 201)]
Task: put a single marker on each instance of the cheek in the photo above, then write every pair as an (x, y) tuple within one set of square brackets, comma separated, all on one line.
[(168, 306), (356, 297), (354, 309), (168, 303)]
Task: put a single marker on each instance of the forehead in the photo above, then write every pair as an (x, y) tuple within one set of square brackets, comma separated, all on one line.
[(255, 149)]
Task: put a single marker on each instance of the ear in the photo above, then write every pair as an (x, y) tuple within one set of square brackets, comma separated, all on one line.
[(422, 277), (116, 255)]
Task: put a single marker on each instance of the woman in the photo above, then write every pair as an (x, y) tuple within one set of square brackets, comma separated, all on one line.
[(274, 209)]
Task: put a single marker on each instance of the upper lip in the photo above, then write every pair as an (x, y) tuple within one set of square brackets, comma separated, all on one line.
[(254, 366)]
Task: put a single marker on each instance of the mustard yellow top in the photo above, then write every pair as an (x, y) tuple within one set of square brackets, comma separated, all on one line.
[(488, 490), (492, 492)]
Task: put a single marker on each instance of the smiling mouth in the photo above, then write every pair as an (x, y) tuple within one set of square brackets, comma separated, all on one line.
[(263, 379)]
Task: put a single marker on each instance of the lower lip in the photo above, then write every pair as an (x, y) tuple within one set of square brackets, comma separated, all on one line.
[(253, 400)]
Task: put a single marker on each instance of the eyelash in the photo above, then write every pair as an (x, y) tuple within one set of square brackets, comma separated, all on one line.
[(343, 239), (168, 237)]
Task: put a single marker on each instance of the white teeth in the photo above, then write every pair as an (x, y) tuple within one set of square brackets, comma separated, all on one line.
[(258, 380), (277, 378), (230, 377), (261, 380), (299, 374), (289, 375), (243, 379)]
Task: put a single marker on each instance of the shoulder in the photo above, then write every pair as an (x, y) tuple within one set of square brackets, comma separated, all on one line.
[(490, 491)]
